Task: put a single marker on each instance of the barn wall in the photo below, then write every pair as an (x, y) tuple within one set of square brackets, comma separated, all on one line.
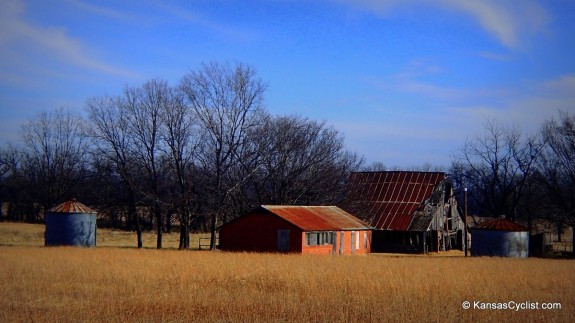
[(259, 233), (499, 243), (316, 250), (347, 242), (364, 248), (365, 237)]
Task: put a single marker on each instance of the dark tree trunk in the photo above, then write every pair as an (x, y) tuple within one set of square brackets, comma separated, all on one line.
[(136, 216), (160, 226), (169, 222), (213, 231), (185, 231), (573, 241)]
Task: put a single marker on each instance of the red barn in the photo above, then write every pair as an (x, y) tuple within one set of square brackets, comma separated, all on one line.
[(410, 211), (298, 229)]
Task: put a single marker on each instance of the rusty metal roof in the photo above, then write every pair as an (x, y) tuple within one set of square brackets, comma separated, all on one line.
[(500, 224), (393, 197), (71, 206), (310, 218)]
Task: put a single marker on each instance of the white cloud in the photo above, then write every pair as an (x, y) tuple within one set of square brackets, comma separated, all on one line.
[(441, 118), (30, 41), (527, 110), (508, 21), (165, 12), (564, 84), (104, 11), (410, 80), (211, 24), (495, 56), (492, 16)]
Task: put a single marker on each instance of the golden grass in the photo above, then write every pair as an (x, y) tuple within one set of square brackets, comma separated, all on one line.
[(124, 284), (32, 235)]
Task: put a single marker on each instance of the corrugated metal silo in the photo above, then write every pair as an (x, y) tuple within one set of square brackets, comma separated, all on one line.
[(500, 237), (71, 224)]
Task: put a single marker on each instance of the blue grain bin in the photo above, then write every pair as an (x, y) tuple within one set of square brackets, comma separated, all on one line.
[(71, 224), (500, 237)]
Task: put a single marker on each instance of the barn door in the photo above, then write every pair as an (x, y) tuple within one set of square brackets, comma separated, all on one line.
[(334, 242), (352, 241), (341, 241), (283, 240)]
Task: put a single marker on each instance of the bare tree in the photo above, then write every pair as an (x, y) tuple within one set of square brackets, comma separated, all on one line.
[(496, 168), (54, 150), (180, 134), (226, 101), (109, 129), (557, 168), (144, 107), (301, 162), (11, 180), (375, 167)]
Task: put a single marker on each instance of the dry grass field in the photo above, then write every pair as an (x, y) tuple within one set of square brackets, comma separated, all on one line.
[(67, 284), (32, 235)]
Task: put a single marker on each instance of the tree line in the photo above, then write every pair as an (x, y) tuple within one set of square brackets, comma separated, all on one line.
[(206, 150), (199, 154), (521, 176)]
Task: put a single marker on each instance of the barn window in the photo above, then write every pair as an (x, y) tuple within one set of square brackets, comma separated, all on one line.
[(319, 238), (311, 238)]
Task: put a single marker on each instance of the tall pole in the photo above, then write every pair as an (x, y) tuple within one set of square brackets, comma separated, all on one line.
[(465, 222)]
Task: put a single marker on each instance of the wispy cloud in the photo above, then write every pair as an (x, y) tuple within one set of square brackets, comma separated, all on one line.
[(541, 101), (208, 23), (563, 84), (416, 78), (172, 12), (104, 11), (420, 67), (495, 56), (508, 21), (51, 43), (492, 16)]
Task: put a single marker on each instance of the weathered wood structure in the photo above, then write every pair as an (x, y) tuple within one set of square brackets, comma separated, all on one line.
[(297, 229), (410, 211)]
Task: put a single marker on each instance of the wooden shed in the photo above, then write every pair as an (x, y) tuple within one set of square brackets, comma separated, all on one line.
[(410, 211), (297, 229)]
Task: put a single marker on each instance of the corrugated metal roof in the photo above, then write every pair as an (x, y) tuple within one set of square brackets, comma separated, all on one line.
[(421, 221), (319, 218), (71, 206), (500, 224), (393, 197)]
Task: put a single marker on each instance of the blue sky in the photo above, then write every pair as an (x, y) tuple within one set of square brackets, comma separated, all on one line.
[(406, 81)]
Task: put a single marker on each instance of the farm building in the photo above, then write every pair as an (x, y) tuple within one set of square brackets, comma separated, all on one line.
[(71, 224), (410, 211), (298, 229), (500, 237)]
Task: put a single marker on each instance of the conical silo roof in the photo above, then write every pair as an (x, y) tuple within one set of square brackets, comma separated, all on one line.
[(71, 206), (500, 224)]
